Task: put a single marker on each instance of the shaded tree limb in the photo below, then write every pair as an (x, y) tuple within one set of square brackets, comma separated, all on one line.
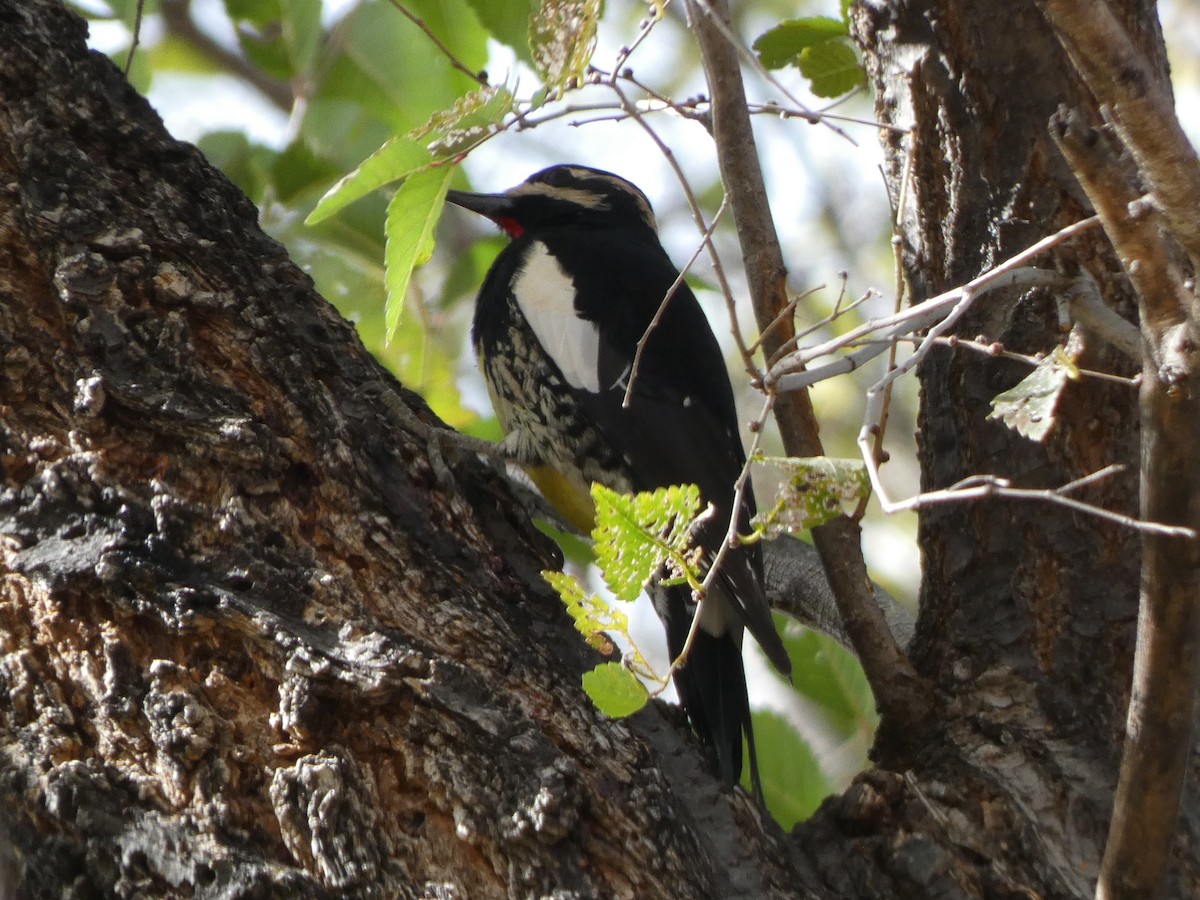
[(904, 700), (1166, 674)]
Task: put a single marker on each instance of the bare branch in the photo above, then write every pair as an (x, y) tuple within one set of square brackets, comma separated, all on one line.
[(1166, 676), (1117, 74), (904, 701), (882, 332), (998, 350), (982, 487)]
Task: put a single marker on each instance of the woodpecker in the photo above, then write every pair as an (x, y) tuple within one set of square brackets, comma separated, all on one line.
[(557, 324)]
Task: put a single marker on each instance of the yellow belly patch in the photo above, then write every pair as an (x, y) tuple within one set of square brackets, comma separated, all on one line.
[(569, 496)]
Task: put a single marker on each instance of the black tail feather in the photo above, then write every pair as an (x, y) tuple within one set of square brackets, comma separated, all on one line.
[(712, 690)]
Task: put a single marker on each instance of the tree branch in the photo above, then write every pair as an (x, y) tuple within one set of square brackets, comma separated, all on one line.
[(904, 701), (1167, 661), (177, 16), (1141, 106)]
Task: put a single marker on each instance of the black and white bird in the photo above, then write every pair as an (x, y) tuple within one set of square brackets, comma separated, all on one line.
[(557, 323)]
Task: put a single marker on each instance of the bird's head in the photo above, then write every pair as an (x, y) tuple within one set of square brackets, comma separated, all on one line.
[(562, 196)]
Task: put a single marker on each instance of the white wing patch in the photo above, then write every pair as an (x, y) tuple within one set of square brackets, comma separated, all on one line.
[(546, 297)]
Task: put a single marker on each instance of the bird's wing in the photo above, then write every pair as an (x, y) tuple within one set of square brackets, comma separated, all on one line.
[(681, 424)]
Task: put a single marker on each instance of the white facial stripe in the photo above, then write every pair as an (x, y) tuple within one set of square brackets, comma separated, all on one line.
[(622, 185), (586, 198), (577, 196), (546, 296)]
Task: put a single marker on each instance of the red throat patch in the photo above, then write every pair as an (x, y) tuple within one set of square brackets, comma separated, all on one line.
[(511, 226)]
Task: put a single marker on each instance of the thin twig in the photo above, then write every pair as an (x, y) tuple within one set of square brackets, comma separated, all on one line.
[(979, 487), (136, 38), (477, 77), (752, 60), (877, 335), (878, 453), (771, 108), (741, 486), (998, 351), (784, 377), (662, 307), (698, 218)]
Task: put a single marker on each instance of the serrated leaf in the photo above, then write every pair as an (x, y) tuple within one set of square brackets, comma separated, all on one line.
[(411, 217), (792, 780), (473, 117), (615, 690), (832, 68), (591, 615), (1029, 406), (400, 157), (782, 45), (562, 36), (815, 490), (636, 534)]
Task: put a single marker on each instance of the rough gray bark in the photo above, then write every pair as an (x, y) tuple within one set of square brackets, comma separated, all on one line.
[(1157, 159), (1028, 611), (256, 638)]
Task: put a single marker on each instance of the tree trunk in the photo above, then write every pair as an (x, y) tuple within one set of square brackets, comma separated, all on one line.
[(1028, 611), (261, 633)]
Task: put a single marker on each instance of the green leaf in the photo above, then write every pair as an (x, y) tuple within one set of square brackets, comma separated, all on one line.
[(829, 677), (259, 25), (380, 75), (301, 21), (636, 534), (174, 54), (562, 36), (783, 44), (833, 68), (400, 157), (124, 10), (508, 22), (411, 217), (815, 490), (1029, 407), (473, 117), (615, 690), (792, 780), (266, 51), (591, 615), (257, 12)]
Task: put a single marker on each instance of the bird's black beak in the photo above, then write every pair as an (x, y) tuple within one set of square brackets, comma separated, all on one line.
[(494, 206)]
